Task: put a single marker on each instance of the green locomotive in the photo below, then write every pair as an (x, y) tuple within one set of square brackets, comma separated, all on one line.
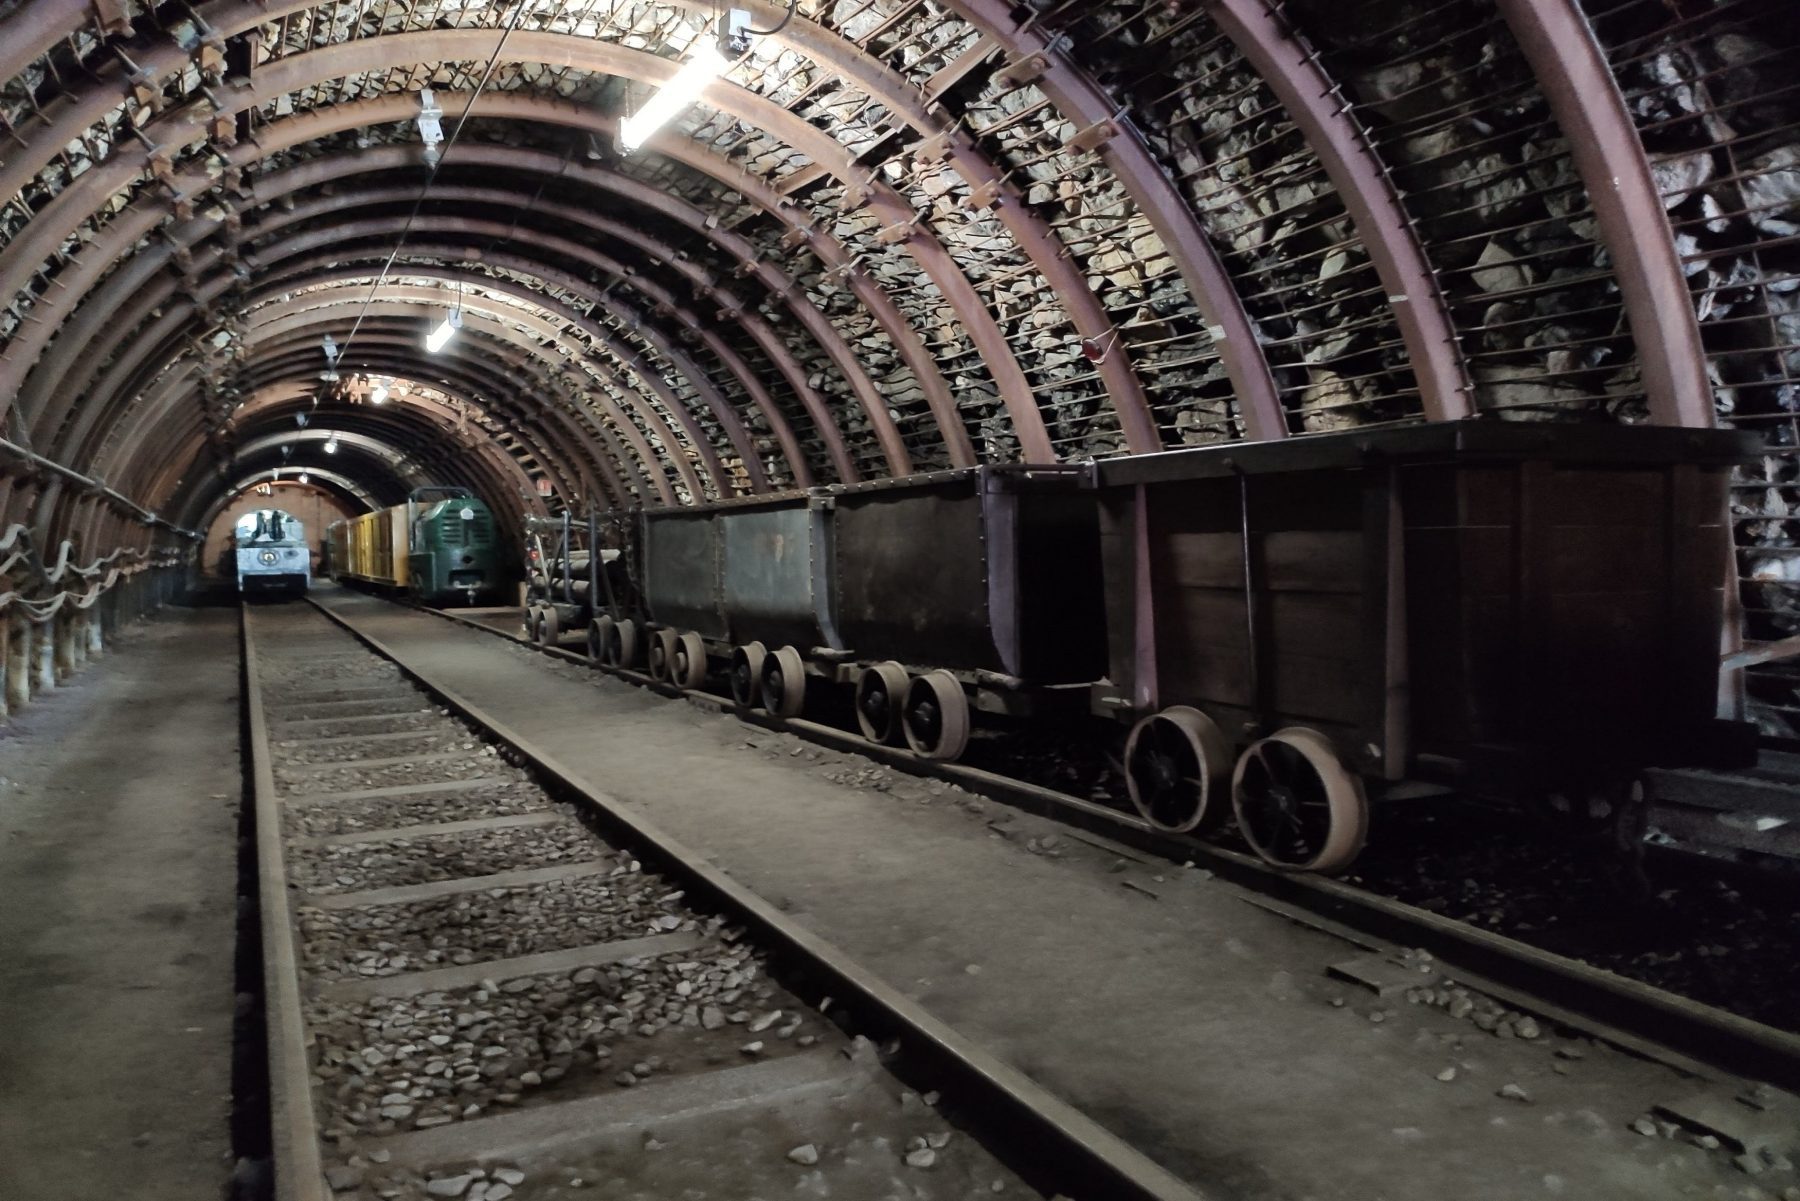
[(439, 546), (451, 554)]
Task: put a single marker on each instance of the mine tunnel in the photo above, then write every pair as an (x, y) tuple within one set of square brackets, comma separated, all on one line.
[(899, 598)]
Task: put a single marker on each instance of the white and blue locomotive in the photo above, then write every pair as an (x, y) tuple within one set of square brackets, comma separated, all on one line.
[(272, 553)]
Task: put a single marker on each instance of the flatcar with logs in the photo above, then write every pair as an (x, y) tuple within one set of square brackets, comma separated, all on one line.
[(439, 547), (1283, 631), (570, 578), (271, 553)]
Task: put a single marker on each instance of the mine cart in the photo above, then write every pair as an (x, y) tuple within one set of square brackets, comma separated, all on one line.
[(974, 587), (571, 581), (1492, 607), (775, 593), (678, 558)]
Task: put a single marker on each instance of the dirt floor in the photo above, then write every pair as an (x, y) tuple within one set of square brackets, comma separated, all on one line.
[(1166, 1004), (118, 808)]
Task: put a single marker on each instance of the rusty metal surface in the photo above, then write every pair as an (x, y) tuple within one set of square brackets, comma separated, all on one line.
[(774, 580), (681, 559)]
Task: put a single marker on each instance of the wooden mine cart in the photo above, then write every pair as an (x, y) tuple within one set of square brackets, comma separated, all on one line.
[(1495, 607)]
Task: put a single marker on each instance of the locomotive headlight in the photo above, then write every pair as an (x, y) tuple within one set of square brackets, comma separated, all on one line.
[(468, 514)]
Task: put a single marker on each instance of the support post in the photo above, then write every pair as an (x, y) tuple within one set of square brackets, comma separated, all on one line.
[(65, 647), (18, 664), (43, 638)]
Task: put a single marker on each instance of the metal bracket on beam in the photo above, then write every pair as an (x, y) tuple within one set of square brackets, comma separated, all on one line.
[(984, 197), (856, 195), (1094, 136), (112, 16), (893, 235), (1021, 71), (934, 149)]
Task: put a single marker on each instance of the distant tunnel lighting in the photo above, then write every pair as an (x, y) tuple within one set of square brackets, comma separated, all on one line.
[(703, 66), (446, 329), (379, 395), (303, 477), (331, 445)]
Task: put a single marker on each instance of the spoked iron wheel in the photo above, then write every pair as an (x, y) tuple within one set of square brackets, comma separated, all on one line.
[(1176, 766), (1297, 804), (879, 691), (599, 639), (746, 673), (935, 716)]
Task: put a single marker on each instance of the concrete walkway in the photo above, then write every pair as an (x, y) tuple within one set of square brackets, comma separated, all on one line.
[(118, 849), (1194, 1024)]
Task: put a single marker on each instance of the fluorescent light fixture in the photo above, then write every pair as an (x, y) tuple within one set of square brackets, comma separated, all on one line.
[(379, 395), (446, 329), (704, 65)]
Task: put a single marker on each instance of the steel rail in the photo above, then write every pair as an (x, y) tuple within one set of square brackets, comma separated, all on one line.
[(1636, 1016), (1067, 1150), (299, 1171)]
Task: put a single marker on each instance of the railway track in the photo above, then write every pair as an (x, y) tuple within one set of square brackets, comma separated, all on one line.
[(472, 992), (1631, 1014)]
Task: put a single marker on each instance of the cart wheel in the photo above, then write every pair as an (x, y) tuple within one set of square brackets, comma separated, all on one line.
[(599, 646), (935, 716), (662, 655), (879, 690), (531, 622), (1297, 804), (746, 673), (1177, 763), (623, 650), (690, 661), (549, 627), (784, 682)]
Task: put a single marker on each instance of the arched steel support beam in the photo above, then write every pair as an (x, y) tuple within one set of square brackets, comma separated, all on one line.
[(162, 252), (139, 217), (1293, 73), (95, 188), (168, 339), (482, 318), (115, 309), (1086, 104), (1634, 227)]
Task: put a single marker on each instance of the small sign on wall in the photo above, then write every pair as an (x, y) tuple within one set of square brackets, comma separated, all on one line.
[(543, 486)]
